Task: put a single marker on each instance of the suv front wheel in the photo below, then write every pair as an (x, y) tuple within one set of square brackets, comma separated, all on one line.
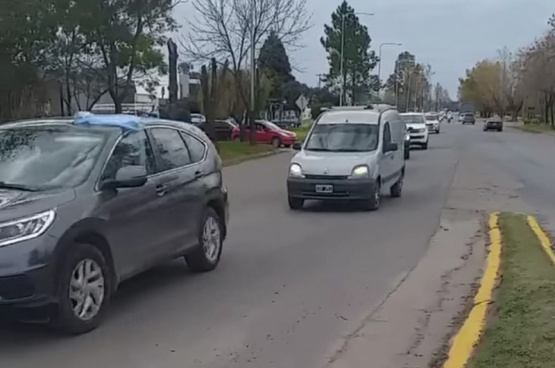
[(84, 290)]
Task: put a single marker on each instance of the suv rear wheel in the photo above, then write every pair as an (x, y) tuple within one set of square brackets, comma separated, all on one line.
[(207, 256), (84, 290)]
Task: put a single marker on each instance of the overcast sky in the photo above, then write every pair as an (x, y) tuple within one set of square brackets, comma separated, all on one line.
[(450, 35)]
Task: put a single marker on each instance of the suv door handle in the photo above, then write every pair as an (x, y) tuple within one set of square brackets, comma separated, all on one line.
[(161, 190), (198, 174)]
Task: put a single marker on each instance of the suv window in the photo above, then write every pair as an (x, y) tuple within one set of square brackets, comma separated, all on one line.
[(170, 149), (131, 150), (196, 147)]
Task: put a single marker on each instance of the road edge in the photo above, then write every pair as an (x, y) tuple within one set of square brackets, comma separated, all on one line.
[(239, 160), (542, 237), (467, 337)]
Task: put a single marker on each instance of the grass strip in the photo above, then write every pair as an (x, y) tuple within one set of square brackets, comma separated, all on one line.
[(520, 331), (233, 151)]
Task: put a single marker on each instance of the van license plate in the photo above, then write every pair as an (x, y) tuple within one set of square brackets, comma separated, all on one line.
[(324, 189)]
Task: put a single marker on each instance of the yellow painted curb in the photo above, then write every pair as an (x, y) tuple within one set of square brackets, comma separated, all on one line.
[(469, 334), (542, 236)]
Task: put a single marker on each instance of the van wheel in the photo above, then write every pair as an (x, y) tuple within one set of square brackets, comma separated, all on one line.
[(84, 290), (207, 256), (396, 189), (276, 142), (425, 146), (373, 204), (295, 203)]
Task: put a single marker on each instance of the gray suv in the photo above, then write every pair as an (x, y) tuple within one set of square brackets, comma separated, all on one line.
[(90, 202)]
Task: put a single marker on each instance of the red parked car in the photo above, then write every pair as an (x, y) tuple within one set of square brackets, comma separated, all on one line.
[(268, 133)]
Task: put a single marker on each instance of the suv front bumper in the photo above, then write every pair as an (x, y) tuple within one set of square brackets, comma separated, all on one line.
[(343, 189)]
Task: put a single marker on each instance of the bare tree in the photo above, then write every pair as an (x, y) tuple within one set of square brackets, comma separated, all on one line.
[(225, 30)]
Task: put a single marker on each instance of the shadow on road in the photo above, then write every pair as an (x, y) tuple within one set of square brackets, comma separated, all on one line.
[(127, 300)]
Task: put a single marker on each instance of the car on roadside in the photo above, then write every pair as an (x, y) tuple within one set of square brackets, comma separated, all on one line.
[(468, 118), (268, 133), (87, 203), (197, 119), (416, 126), (287, 124), (349, 155), (432, 122), (495, 123)]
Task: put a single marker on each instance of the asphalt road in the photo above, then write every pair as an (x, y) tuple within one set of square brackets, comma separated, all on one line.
[(291, 285)]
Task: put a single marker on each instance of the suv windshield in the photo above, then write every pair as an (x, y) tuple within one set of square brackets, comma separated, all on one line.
[(343, 138), (412, 119), (431, 117), (43, 158)]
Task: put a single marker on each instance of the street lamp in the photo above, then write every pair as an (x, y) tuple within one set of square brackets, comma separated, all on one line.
[(342, 50), (380, 62)]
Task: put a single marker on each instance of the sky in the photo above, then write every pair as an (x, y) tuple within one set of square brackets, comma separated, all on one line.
[(450, 35)]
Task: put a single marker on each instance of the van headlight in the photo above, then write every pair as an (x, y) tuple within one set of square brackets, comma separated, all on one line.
[(25, 228), (295, 170), (360, 171)]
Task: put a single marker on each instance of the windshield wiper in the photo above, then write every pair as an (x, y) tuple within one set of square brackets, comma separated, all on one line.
[(318, 149), (4, 185)]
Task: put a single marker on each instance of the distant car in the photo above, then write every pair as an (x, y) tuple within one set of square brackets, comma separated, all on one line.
[(349, 155), (197, 119), (468, 118), (268, 133), (432, 122), (494, 124), (218, 130), (416, 126), (90, 202), (287, 124)]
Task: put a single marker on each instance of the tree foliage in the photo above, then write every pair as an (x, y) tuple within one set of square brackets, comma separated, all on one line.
[(77, 49), (358, 59)]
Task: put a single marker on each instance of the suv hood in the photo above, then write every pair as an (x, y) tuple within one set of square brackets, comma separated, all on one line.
[(330, 163), (15, 204)]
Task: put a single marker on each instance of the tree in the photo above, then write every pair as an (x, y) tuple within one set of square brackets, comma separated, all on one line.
[(358, 60), (225, 28), (397, 86), (127, 33)]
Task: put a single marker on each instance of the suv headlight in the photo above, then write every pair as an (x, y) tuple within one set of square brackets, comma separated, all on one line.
[(295, 170), (25, 228), (360, 171)]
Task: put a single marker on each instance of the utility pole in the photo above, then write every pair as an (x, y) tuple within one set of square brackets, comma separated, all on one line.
[(253, 76), (380, 63), (342, 57)]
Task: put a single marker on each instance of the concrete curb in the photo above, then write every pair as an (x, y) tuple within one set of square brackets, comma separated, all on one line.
[(239, 160)]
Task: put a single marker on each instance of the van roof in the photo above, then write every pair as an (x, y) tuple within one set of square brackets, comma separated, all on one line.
[(346, 116)]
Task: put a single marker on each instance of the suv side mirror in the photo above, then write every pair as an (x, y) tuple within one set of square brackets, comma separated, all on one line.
[(391, 147), (127, 177)]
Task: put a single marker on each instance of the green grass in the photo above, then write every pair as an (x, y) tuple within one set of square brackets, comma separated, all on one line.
[(520, 331), (535, 128), (301, 132), (234, 150)]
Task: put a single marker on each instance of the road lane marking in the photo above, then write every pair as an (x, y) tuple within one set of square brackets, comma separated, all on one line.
[(542, 236), (469, 334)]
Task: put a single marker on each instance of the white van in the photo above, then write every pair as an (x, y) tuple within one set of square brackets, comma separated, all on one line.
[(349, 154)]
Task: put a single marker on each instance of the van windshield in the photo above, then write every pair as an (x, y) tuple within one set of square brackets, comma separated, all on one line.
[(343, 138)]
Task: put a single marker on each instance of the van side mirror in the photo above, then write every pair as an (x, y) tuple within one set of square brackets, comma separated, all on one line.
[(391, 147), (297, 146)]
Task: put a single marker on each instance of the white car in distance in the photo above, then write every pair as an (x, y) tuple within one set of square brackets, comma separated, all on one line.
[(416, 126), (432, 122)]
